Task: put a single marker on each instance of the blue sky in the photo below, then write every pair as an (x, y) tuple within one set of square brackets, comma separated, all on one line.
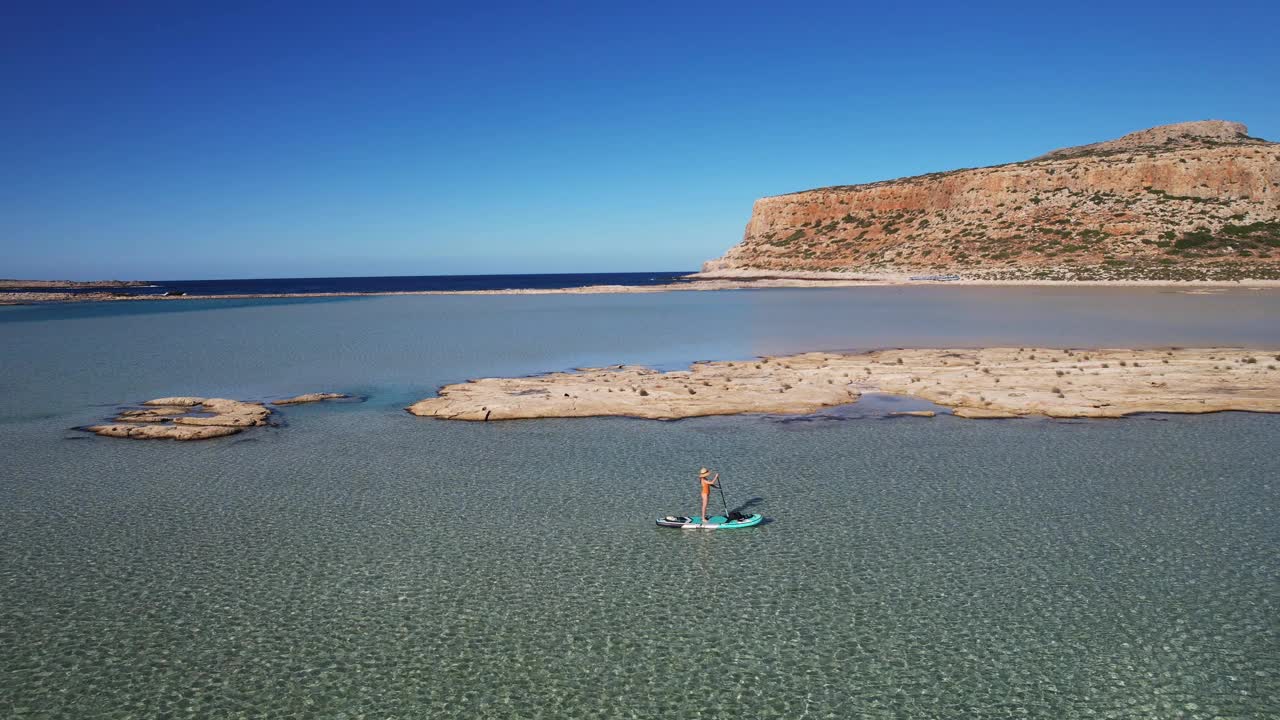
[(229, 140)]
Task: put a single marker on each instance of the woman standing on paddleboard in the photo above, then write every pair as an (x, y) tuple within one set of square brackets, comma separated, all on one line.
[(707, 482)]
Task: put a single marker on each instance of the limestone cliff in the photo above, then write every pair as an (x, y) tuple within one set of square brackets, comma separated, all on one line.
[(1186, 201)]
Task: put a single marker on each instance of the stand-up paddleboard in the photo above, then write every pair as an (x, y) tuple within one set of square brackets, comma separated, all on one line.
[(715, 522)]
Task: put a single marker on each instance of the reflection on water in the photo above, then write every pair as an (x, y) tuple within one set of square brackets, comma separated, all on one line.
[(363, 561)]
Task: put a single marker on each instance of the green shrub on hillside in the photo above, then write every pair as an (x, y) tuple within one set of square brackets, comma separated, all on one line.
[(1241, 238)]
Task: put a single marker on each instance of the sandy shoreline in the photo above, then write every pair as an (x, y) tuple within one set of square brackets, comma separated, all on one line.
[(818, 279), (985, 383), (696, 283)]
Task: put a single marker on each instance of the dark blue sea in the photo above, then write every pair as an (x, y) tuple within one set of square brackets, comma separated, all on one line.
[(401, 283)]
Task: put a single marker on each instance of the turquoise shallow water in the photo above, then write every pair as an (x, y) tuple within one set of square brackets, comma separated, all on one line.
[(358, 561)]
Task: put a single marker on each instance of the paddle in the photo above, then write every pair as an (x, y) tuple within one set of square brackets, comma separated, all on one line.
[(720, 486)]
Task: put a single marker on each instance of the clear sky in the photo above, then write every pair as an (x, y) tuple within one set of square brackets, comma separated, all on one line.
[(222, 139)]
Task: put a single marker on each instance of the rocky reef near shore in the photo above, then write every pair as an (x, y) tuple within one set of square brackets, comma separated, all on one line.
[(986, 383), (1190, 201), (310, 398), (194, 418), (184, 418)]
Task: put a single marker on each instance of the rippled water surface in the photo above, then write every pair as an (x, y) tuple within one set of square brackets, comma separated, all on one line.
[(357, 561)]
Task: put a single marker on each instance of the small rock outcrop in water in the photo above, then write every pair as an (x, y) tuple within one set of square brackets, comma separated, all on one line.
[(990, 383), (310, 398), (1191, 201), (184, 418), (194, 418)]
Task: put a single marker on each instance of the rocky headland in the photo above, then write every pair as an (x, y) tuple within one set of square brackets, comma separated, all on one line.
[(1190, 201), (1195, 202), (986, 383)]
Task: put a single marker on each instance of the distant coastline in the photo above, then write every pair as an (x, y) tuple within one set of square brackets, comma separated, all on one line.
[(42, 291), (120, 291), (9, 284)]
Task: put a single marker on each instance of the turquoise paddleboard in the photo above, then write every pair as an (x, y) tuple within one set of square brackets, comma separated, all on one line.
[(715, 522)]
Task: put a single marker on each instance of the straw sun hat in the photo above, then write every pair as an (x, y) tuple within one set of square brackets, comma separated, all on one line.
[(704, 471)]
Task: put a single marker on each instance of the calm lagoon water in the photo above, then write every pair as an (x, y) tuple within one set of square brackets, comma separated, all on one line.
[(358, 561)]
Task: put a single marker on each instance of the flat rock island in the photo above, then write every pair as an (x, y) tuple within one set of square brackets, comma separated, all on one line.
[(982, 383), (184, 418), (194, 418)]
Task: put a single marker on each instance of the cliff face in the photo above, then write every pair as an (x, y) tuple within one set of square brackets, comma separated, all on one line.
[(1185, 201)]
